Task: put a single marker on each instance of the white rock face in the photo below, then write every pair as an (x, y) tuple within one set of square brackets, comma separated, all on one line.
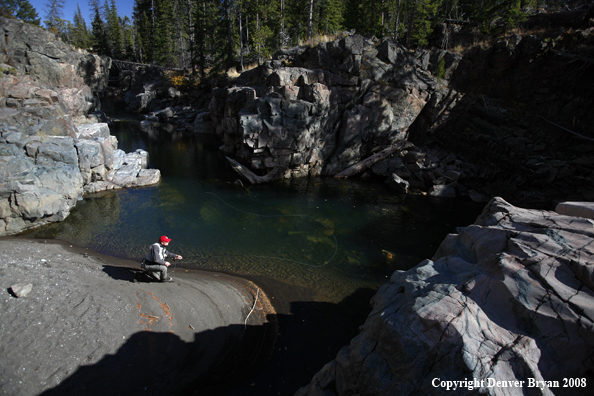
[(509, 298)]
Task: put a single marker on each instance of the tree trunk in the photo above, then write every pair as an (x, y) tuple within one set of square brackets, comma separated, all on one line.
[(251, 176), (153, 30), (368, 162), (229, 35), (190, 34), (411, 24), (397, 23), (240, 38), (310, 21)]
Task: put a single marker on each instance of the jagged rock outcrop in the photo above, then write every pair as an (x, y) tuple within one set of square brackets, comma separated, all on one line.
[(150, 92), (48, 159), (74, 74), (509, 298), (317, 111), (518, 110)]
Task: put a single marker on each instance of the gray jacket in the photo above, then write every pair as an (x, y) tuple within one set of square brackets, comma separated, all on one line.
[(158, 253)]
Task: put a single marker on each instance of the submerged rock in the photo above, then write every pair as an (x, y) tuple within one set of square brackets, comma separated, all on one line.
[(509, 298)]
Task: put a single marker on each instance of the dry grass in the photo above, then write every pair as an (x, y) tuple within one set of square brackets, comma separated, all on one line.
[(234, 73), (320, 38)]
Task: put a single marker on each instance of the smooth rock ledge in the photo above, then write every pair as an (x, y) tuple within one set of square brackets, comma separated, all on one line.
[(87, 327)]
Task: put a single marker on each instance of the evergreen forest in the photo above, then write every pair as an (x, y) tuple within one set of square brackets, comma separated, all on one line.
[(207, 35)]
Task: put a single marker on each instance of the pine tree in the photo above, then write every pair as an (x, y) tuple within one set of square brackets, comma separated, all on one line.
[(113, 30), (99, 40), (80, 34), (128, 39), (425, 14), (21, 10), (331, 16), (164, 45), (208, 37)]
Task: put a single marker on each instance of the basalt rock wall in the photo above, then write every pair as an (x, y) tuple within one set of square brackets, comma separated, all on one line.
[(317, 111), (517, 109), (74, 74), (522, 114)]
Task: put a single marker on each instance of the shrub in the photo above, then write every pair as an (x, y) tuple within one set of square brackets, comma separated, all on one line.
[(440, 70)]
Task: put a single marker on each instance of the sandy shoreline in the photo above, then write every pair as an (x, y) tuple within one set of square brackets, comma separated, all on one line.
[(86, 326)]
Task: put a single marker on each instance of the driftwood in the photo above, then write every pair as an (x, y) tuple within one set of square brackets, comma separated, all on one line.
[(251, 176), (457, 21), (567, 130), (369, 161), (119, 63)]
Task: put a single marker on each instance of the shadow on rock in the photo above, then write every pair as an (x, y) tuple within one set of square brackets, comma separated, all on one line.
[(231, 360), (151, 363), (129, 274), (123, 273)]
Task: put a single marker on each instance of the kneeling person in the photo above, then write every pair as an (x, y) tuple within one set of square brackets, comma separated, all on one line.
[(155, 259)]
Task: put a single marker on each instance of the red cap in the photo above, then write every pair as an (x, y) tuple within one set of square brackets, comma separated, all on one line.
[(164, 239)]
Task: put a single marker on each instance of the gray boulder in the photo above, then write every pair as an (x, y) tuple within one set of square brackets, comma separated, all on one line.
[(203, 123), (504, 307), (21, 289), (128, 170), (93, 130), (95, 159), (37, 191), (443, 191), (42, 178)]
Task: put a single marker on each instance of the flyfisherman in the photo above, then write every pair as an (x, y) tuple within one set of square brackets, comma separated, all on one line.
[(154, 261)]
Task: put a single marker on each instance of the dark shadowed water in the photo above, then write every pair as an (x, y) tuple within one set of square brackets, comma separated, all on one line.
[(326, 235)]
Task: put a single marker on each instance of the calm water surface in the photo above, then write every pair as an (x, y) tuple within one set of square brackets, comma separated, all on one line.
[(330, 237)]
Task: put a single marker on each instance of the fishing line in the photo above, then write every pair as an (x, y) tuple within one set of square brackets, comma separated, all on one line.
[(252, 310), (272, 216)]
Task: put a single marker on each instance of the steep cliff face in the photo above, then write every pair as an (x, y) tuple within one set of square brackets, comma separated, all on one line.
[(317, 111), (523, 116), (75, 74), (52, 148), (505, 307)]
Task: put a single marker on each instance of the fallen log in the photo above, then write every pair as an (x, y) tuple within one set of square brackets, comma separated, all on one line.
[(251, 176), (369, 161)]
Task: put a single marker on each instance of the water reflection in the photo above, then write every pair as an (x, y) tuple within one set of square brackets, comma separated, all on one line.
[(328, 235)]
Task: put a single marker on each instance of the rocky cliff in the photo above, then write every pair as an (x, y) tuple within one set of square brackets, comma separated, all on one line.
[(317, 111), (523, 115), (515, 111), (53, 147), (505, 307), (76, 75)]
